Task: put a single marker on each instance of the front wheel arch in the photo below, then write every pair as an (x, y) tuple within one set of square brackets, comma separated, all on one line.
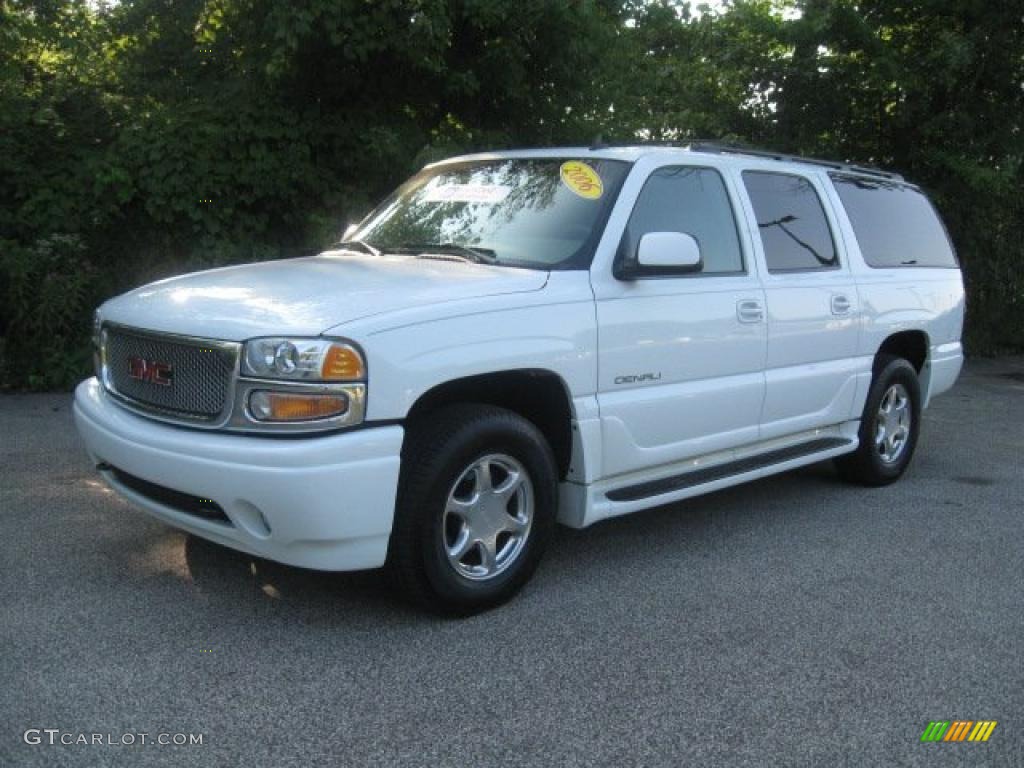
[(540, 396)]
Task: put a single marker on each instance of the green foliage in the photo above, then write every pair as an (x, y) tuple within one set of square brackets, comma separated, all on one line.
[(48, 288), (146, 138), (935, 89)]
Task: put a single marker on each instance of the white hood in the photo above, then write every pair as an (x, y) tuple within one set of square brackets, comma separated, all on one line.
[(306, 297)]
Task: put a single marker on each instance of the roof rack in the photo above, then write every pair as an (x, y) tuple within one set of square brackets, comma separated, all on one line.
[(719, 147), (724, 147), (600, 143)]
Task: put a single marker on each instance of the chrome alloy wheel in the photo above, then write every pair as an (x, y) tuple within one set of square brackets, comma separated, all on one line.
[(892, 425), (487, 517)]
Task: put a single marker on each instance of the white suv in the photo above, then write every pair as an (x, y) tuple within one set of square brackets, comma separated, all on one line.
[(516, 338)]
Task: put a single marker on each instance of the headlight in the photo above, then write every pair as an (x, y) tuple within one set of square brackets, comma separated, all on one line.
[(300, 385), (302, 360)]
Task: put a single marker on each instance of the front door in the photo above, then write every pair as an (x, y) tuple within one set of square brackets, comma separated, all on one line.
[(680, 355)]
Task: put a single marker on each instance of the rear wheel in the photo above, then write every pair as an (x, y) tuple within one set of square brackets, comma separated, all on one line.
[(476, 507), (889, 425)]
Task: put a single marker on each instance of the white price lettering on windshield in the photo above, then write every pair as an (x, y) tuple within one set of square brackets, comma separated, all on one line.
[(488, 194)]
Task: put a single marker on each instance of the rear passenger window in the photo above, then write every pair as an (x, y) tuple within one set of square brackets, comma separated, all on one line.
[(690, 200), (895, 224), (794, 230)]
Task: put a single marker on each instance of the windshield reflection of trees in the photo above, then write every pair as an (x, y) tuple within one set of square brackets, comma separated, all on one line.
[(413, 219)]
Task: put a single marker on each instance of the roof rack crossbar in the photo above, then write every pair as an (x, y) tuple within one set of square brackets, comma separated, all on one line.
[(734, 149)]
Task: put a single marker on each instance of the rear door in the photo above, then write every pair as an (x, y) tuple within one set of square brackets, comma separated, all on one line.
[(681, 355), (812, 304)]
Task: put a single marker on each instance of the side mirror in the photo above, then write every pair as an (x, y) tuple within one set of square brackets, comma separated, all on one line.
[(669, 250), (349, 231)]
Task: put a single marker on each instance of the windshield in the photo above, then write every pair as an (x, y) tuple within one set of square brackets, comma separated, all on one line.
[(545, 213)]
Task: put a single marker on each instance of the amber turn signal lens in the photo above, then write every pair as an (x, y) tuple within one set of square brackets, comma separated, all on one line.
[(278, 406), (342, 363)]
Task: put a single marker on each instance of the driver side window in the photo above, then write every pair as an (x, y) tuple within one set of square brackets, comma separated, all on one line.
[(690, 200)]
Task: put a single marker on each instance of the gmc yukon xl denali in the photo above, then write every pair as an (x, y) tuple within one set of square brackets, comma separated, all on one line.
[(522, 338)]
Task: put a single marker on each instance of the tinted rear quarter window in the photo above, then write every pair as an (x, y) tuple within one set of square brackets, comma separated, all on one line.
[(895, 224), (792, 222)]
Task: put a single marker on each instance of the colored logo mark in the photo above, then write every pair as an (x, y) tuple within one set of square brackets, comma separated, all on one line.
[(582, 179), (958, 730)]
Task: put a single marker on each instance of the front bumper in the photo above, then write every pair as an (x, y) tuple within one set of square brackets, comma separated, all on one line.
[(324, 502)]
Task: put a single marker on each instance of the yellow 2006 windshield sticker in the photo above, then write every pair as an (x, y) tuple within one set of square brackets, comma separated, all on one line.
[(582, 179)]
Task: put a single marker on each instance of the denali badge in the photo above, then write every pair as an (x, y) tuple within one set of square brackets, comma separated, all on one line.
[(151, 371), (639, 378)]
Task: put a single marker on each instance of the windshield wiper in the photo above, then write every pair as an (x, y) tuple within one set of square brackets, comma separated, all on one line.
[(362, 245), (472, 253)]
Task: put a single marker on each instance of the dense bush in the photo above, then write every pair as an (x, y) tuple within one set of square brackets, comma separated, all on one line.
[(144, 138)]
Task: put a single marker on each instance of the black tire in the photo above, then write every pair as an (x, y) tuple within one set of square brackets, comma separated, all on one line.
[(867, 465), (439, 449)]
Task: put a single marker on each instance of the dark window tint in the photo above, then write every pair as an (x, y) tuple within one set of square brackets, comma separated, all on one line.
[(895, 224), (792, 222), (690, 200)]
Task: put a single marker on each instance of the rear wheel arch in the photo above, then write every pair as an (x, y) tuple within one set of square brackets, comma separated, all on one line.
[(913, 347)]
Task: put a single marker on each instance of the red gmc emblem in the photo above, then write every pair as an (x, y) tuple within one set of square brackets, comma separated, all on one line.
[(150, 371)]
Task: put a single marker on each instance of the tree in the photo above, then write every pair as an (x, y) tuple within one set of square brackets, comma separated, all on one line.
[(936, 90), (146, 138)]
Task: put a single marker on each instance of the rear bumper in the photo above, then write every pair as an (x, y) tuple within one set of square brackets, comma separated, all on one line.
[(945, 362), (323, 502)]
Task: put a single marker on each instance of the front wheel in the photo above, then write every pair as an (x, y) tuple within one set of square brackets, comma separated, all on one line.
[(476, 507), (889, 426)]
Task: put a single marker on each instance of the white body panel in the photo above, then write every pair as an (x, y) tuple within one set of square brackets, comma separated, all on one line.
[(812, 359), (679, 374), (662, 375), (306, 297), (411, 351), (910, 299)]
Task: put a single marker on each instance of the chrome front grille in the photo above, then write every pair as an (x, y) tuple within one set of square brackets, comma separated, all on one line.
[(195, 378)]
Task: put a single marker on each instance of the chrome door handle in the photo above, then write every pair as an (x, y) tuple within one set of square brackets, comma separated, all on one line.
[(749, 311), (840, 304)]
